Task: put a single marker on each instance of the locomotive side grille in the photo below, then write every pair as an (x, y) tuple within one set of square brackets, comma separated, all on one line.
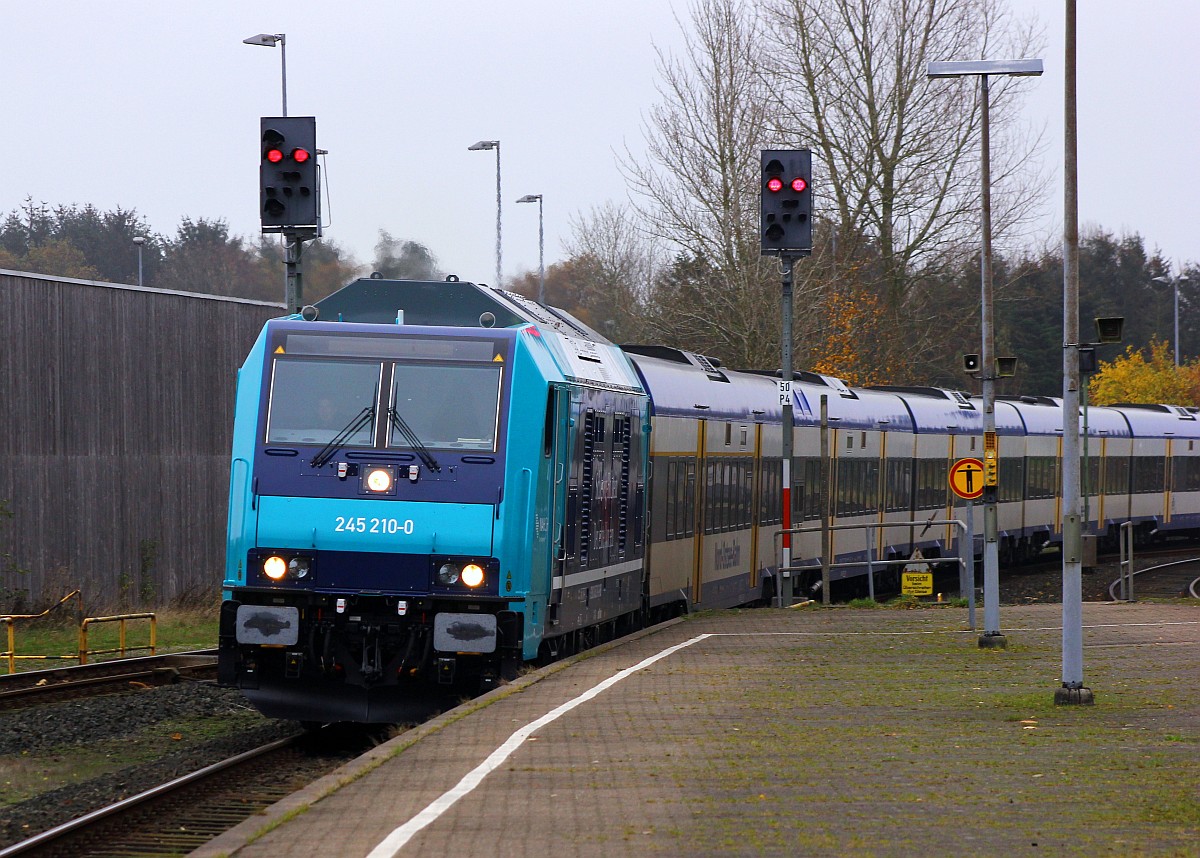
[(625, 438), (585, 490)]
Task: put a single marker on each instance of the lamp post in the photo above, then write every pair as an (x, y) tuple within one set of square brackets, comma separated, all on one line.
[(537, 198), (991, 559), (484, 145), (139, 240), (269, 40), (1174, 283)]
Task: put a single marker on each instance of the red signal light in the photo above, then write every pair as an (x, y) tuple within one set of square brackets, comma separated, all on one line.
[(774, 184), (798, 184), (274, 156), (300, 155)]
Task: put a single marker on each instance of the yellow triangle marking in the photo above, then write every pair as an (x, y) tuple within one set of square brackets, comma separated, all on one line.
[(279, 350), (498, 359)]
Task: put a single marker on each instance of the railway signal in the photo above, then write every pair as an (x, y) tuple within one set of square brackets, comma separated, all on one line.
[(786, 202), (289, 193)]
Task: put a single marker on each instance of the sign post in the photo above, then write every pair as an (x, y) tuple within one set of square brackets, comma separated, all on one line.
[(968, 479), (786, 232)]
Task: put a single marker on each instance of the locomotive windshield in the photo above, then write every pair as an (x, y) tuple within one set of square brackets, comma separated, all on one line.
[(312, 401), (454, 406), (401, 404)]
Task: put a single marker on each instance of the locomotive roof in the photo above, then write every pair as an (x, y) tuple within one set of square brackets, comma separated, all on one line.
[(581, 353), (450, 303)]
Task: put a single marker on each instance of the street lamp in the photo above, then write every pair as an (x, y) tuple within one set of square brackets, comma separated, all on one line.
[(991, 559), (484, 145), (537, 198), (269, 40), (1175, 284), (139, 240)]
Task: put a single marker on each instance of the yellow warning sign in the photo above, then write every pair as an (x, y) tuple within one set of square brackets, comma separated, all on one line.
[(916, 583), (279, 350), (916, 579), (498, 359), (966, 478)]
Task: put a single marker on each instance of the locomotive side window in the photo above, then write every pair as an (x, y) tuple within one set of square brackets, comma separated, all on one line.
[(312, 401), (447, 406)]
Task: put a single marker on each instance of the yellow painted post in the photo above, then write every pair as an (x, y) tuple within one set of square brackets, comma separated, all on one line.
[(12, 645)]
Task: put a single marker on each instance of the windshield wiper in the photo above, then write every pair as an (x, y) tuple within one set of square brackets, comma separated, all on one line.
[(413, 440), (364, 418)]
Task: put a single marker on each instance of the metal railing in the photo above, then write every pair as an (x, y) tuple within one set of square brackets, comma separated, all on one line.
[(82, 652), (121, 648), (10, 621), (1127, 573), (965, 546)]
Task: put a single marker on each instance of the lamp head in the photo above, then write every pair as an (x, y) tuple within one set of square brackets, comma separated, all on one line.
[(267, 40)]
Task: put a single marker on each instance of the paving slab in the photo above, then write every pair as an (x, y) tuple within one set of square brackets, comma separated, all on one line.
[(793, 732)]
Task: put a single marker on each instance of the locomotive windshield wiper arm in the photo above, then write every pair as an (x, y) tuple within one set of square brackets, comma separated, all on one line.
[(413, 440), (364, 418)]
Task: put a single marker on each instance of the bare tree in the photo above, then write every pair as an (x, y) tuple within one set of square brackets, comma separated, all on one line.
[(696, 189), (615, 264), (899, 153)]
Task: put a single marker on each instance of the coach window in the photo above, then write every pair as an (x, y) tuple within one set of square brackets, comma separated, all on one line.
[(1148, 472), (1011, 474), (898, 485), (1116, 475)]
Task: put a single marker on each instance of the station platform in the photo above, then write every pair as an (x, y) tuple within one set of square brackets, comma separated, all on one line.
[(802, 732)]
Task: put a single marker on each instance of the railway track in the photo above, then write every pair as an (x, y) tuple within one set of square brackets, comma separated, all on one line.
[(179, 816), (38, 687), (1169, 579)]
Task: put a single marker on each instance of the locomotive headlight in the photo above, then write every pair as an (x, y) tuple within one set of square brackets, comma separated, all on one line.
[(448, 574), (275, 567), (379, 480), (472, 575), (298, 567)]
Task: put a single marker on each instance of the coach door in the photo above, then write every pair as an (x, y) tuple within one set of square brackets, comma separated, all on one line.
[(703, 477), (558, 437)]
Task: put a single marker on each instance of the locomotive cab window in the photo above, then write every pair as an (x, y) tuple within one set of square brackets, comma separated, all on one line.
[(447, 406), (313, 401)]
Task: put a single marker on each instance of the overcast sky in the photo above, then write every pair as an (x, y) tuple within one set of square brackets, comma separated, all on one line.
[(155, 106)]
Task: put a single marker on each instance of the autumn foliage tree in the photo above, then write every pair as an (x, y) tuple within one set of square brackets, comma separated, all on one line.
[(1135, 379), (853, 318)]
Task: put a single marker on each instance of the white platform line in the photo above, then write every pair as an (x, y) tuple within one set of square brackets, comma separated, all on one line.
[(394, 842)]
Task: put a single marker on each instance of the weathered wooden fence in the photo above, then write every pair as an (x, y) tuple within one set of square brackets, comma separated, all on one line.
[(116, 412)]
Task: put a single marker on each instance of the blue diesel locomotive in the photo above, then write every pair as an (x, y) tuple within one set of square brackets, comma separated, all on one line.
[(435, 482), (429, 483)]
